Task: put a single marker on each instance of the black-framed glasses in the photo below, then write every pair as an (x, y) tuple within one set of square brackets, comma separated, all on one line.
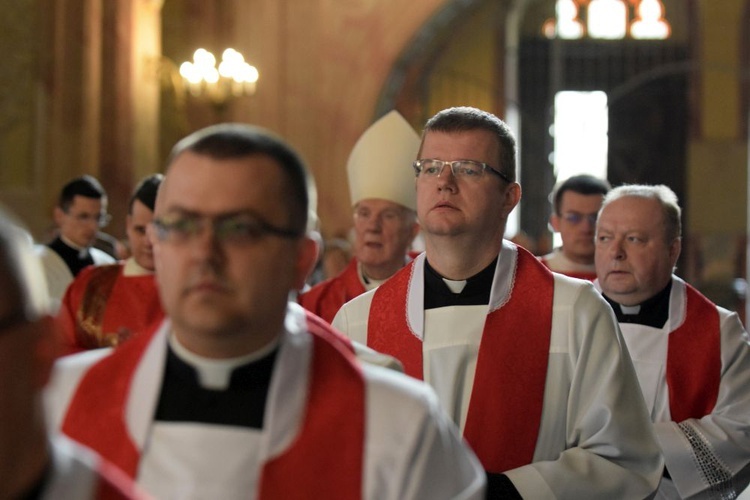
[(100, 220), (576, 218), (461, 169), (239, 228)]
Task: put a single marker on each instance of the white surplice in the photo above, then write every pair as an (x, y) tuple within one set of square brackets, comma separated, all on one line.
[(700, 454), (412, 450), (595, 439)]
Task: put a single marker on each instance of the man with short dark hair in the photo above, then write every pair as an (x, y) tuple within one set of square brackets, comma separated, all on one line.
[(529, 363), (692, 357), (80, 212), (33, 465), (105, 305), (240, 393), (575, 205)]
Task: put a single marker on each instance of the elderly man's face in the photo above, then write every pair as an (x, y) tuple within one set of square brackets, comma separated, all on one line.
[(223, 285), (634, 260), (383, 233)]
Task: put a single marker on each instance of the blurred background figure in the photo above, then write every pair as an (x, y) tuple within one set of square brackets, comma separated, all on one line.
[(80, 213), (337, 252), (33, 466), (106, 304), (575, 205)]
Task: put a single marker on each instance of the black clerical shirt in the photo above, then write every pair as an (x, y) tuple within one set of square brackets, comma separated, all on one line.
[(242, 404), (74, 258), (653, 312), (475, 293)]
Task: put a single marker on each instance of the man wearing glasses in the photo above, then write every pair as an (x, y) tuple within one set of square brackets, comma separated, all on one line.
[(530, 364), (240, 393), (575, 204), (33, 464), (105, 305), (80, 212), (385, 220)]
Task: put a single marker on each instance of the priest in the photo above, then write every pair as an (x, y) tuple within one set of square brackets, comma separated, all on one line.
[(575, 205), (530, 364), (692, 357), (80, 213), (105, 305), (385, 225)]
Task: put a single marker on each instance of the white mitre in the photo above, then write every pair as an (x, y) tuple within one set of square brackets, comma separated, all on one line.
[(380, 163)]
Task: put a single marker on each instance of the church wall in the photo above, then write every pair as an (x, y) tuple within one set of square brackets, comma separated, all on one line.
[(717, 155), (82, 81)]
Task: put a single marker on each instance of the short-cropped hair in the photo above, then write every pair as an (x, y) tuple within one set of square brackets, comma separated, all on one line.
[(146, 191), (234, 140), (661, 193), (465, 119), (85, 185), (584, 184)]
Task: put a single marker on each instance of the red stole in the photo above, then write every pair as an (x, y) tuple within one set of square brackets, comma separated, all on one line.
[(113, 484), (90, 313), (581, 275), (325, 460), (326, 298), (694, 359), (505, 408)]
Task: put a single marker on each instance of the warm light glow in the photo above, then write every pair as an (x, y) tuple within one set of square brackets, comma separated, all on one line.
[(233, 77), (567, 25), (607, 19), (650, 22), (580, 136)]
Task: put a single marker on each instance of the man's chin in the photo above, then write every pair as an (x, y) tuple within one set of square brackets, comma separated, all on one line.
[(371, 258)]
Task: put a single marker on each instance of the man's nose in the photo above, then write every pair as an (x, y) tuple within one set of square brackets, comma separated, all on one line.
[(617, 250), (206, 244), (446, 179), (374, 222)]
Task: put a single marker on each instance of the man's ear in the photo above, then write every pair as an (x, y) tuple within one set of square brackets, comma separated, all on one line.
[(554, 222), (512, 197), (307, 258), (58, 215), (674, 251)]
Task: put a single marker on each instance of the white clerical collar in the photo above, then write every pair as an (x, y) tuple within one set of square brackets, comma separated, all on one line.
[(217, 373), (132, 268), (630, 309), (455, 286), (82, 251), (367, 282)]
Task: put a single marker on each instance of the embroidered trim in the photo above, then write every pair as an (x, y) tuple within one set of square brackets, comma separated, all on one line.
[(406, 301), (713, 471)]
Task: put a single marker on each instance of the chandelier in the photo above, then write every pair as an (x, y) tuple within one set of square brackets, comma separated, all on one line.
[(233, 77)]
